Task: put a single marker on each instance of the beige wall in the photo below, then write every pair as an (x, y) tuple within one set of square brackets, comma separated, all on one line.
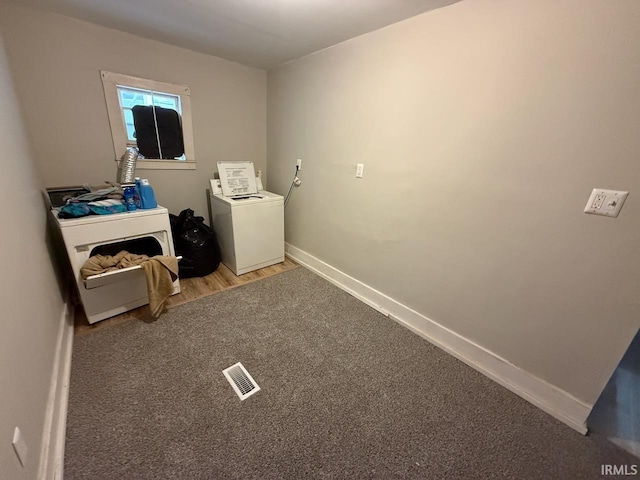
[(32, 305), (56, 61), (483, 127)]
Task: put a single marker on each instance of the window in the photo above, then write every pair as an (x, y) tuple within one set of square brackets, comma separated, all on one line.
[(129, 97), (124, 93)]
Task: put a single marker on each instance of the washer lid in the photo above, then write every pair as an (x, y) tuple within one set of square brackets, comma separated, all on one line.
[(241, 200), (237, 178)]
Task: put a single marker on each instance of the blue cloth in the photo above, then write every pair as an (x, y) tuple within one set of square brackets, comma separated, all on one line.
[(81, 209)]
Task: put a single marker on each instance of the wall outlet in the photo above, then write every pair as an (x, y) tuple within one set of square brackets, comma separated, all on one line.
[(299, 164), (20, 446), (598, 201), (359, 170), (605, 202)]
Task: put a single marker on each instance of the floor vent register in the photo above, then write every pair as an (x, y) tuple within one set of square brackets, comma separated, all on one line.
[(242, 382)]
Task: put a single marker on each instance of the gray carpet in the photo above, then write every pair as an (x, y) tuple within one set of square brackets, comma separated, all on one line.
[(346, 393)]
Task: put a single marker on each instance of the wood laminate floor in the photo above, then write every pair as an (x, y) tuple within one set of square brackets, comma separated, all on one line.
[(191, 289)]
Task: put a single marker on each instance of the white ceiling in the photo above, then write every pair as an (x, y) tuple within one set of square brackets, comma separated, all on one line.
[(260, 33)]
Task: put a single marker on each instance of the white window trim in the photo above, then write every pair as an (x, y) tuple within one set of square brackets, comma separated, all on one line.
[(110, 82)]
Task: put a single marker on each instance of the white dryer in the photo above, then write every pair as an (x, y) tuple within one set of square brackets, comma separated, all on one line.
[(142, 232), (248, 222)]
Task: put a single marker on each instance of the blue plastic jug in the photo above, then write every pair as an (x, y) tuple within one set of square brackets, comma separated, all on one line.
[(147, 197), (137, 194)]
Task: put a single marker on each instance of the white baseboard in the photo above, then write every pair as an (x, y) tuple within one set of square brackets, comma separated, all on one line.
[(553, 400), (52, 455)]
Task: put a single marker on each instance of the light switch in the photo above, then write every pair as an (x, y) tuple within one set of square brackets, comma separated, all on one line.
[(359, 170), (606, 202)]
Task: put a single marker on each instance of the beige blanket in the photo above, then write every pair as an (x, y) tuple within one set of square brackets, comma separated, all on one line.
[(108, 263), (160, 272)]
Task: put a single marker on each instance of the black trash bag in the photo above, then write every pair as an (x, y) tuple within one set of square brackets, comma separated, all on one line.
[(196, 242)]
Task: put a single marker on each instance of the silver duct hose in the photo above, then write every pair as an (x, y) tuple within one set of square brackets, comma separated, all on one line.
[(128, 166)]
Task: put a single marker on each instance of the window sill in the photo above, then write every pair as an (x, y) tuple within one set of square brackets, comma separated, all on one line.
[(164, 164)]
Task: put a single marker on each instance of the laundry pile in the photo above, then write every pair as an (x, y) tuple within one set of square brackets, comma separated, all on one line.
[(160, 272), (99, 202)]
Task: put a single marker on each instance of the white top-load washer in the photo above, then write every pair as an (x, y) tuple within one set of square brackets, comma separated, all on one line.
[(248, 221)]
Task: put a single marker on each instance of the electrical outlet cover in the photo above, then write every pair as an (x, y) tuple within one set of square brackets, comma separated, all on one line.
[(606, 202)]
